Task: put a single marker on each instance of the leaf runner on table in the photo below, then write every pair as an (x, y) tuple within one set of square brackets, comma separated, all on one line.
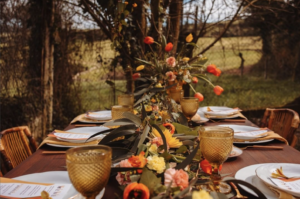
[(162, 136), (188, 159)]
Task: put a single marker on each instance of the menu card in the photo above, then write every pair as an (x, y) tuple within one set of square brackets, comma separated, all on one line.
[(292, 184), (16, 189)]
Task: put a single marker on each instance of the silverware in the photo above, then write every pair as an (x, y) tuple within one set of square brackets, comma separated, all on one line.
[(262, 147), (238, 194)]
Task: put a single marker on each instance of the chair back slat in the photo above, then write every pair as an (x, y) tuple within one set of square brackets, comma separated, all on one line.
[(282, 121), (17, 145)]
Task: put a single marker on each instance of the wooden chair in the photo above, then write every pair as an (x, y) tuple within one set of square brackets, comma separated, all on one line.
[(283, 122), (16, 145)]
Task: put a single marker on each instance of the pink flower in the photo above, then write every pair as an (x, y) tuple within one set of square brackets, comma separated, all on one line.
[(169, 173), (155, 108), (158, 141), (170, 75), (125, 163), (179, 178), (171, 61), (123, 179)]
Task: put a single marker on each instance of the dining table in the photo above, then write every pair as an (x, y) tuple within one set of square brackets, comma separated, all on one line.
[(41, 162)]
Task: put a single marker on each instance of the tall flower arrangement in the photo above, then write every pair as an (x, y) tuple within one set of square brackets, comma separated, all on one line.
[(161, 67)]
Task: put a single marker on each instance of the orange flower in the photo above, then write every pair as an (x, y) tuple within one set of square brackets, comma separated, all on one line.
[(218, 90), (206, 167), (217, 72), (211, 68), (199, 96), (136, 190), (138, 161), (171, 127), (195, 80), (148, 40), (134, 5), (169, 47), (136, 75)]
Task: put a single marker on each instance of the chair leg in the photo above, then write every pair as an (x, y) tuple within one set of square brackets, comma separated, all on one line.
[(294, 141)]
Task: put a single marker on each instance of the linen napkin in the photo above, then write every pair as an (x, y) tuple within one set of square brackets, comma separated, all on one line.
[(52, 140), (236, 115), (82, 118), (8, 180), (271, 135), (102, 115)]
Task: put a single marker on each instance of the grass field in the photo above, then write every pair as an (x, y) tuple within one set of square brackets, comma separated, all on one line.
[(247, 92)]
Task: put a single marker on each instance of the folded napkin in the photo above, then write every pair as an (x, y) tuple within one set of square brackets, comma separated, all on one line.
[(281, 194), (236, 115), (83, 118), (52, 140), (222, 113), (101, 115), (271, 135)]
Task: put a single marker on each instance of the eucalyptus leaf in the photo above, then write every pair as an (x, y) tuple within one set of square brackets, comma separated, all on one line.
[(119, 122), (140, 92), (182, 119), (188, 159), (144, 135), (170, 86), (144, 113), (141, 148), (142, 86), (166, 156), (149, 179), (143, 61), (182, 129), (192, 44), (135, 144), (188, 142), (133, 118), (162, 136), (157, 89), (182, 149), (99, 133)]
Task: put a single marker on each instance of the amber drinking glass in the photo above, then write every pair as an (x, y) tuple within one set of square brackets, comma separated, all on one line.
[(89, 168), (216, 145), (189, 107), (176, 95), (118, 110), (126, 100)]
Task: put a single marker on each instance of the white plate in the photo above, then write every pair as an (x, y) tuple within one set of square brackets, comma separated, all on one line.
[(58, 177), (248, 174), (264, 173), (217, 108), (86, 130), (237, 128), (235, 152)]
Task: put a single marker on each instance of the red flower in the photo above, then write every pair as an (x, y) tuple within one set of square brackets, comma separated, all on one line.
[(148, 40), (136, 75), (195, 80), (199, 96), (211, 68), (136, 190), (218, 90), (217, 72), (206, 167), (169, 47)]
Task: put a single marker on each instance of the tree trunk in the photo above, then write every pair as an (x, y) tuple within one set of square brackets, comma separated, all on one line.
[(47, 66), (175, 15)]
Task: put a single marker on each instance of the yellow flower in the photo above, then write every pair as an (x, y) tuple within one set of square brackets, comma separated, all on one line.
[(189, 38), (140, 67), (201, 195), (135, 111), (126, 2), (173, 142), (153, 148), (158, 85), (185, 59), (156, 163), (153, 100), (134, 5)]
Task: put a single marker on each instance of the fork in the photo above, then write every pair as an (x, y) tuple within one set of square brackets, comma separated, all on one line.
[(238, 194)]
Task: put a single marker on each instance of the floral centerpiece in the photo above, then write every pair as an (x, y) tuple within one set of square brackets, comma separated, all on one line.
[(164, 70)]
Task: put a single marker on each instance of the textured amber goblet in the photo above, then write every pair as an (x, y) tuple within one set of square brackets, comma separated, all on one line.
[(126, 100), (189, 107), (118, 110), (176, 95), (89, 168), (216, 145)]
